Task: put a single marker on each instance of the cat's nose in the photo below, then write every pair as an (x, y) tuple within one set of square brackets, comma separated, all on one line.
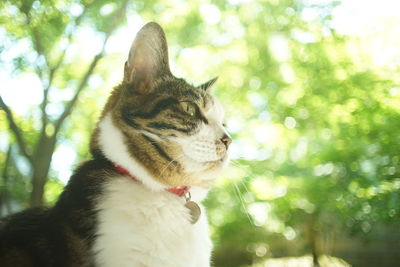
[(227, 140)]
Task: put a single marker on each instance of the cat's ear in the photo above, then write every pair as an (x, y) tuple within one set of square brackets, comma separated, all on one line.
[(147, 60), (207, 85)]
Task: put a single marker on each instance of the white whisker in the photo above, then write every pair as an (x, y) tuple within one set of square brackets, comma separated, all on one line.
[(242, 182), (241, 200), (169, 163)]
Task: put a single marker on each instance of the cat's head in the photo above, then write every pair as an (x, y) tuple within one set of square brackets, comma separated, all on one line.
[(158, 127)]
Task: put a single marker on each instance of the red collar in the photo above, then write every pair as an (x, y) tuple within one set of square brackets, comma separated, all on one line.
[(180, 191)]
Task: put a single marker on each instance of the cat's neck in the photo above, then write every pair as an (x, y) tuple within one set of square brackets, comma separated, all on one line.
[(179, 191), (197, 193)]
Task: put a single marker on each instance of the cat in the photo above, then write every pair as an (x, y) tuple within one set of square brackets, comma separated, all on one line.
[(157, 148)]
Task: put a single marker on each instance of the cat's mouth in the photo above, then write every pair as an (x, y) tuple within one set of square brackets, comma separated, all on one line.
[(221, 160)]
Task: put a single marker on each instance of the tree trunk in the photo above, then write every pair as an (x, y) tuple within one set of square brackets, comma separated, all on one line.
[(4, 193), (41, 167), (39, 179), (312, 239)]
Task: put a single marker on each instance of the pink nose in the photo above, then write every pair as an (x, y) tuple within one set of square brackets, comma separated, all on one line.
[(226, 140)]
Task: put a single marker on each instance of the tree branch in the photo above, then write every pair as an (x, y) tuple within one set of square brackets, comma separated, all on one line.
[(7, 164), (37, 45), (81, 86), (4, 192), (118, 16), (53, 70), (17, 131), (77, 21)]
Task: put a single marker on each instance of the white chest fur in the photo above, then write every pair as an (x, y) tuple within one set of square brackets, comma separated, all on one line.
[(140, 228)]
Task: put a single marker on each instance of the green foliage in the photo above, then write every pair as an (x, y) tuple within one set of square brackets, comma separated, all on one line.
[(52, 191), (315, 125)]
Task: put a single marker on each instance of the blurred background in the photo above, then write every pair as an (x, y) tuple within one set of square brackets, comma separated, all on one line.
[(312, 97)]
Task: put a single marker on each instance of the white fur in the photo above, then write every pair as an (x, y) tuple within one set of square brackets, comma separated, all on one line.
[(140, 228)]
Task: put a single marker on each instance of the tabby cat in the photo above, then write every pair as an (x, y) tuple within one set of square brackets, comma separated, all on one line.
[(157, 148)]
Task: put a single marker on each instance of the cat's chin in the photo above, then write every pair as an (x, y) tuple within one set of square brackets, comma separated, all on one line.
[(216, 164), (211, 171)]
